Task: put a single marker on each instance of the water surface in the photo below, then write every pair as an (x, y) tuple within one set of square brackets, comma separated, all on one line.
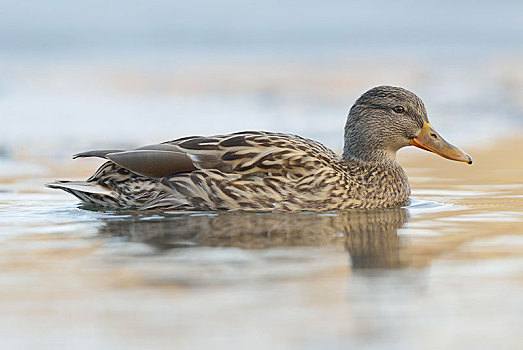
[(447, 270)]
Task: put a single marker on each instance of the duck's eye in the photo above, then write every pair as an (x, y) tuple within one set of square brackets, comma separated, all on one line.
[(399, 109)]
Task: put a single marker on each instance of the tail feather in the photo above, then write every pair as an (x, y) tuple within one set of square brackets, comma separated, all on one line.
[(87, 192), (82, 186), (113, 186), (102, 153)]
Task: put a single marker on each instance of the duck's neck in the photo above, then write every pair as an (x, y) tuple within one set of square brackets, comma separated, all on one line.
[(368, 144), (362, 152), (385, 181)]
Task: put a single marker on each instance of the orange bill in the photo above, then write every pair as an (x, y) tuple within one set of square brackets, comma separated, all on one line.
[(429, 140)]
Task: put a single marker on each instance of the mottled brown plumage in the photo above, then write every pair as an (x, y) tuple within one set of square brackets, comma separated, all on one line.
[(266, 171)]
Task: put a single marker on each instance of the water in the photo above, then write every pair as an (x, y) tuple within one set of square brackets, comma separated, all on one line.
[(444, 271)]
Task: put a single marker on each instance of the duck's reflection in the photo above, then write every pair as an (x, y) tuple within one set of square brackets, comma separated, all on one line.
[(370, 236)]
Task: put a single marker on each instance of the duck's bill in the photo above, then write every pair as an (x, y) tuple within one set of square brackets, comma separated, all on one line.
[(429, 140)]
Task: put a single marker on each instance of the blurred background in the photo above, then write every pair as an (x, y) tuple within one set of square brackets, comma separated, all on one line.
[(77, 74), (444, 272)]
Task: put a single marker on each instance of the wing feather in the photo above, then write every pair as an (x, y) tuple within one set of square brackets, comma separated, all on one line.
[(244, 153), (256, 152)]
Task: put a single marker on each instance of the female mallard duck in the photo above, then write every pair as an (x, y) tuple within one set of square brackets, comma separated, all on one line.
[(266, 171)]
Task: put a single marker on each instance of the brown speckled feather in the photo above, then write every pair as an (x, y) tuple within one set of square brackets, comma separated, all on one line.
[(258, 171)]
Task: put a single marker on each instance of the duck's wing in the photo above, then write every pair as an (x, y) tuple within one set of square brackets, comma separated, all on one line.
[(242, 153), (153, 160)]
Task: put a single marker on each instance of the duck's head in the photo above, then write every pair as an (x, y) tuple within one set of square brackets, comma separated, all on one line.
[(387, 118)]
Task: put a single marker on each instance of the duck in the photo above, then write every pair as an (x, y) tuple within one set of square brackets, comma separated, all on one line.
[(269, 171)]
